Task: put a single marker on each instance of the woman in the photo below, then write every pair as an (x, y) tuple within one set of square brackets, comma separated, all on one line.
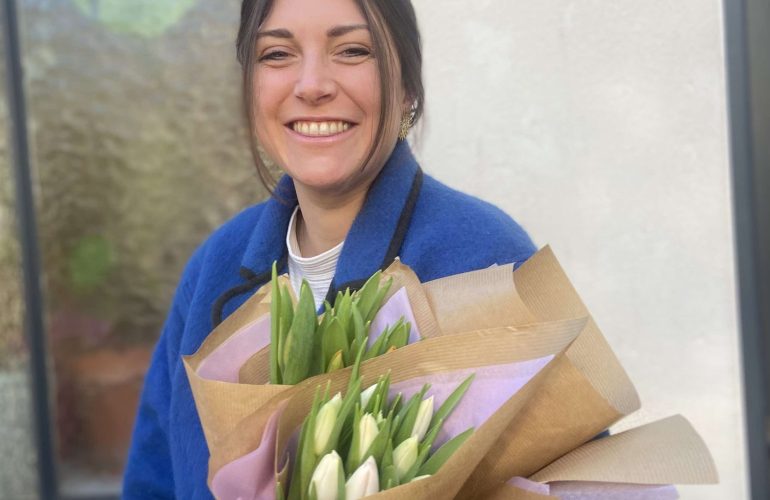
[(331, 89)]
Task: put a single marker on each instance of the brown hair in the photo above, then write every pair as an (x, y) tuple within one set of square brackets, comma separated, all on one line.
[(396, 44)]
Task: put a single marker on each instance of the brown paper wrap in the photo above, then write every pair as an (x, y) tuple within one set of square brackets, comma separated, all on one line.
[(477, 319)]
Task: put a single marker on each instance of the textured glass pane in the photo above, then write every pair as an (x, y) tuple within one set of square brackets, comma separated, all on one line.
[(18, 477), (139, 151)]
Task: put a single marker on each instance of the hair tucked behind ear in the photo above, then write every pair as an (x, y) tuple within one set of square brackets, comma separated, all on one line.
[(397, 48)]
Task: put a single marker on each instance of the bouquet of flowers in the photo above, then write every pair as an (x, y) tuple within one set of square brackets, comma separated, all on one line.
[(488, 384)]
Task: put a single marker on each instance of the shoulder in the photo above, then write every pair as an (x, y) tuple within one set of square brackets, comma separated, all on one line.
[(453, 232)]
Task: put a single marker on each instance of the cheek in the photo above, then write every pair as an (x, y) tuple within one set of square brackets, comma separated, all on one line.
[(270, 91), (363, 86)]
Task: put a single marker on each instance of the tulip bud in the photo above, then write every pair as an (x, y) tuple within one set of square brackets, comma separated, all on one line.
[(367, 395), (424, 415), (326, 477), (325, 420), (405, 455), (336, 363), (367, 431), (365, 481)]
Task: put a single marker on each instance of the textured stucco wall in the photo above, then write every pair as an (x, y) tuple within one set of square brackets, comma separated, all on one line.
[(602, 128)]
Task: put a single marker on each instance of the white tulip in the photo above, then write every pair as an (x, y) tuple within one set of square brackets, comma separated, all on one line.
[(424, 416), (326, 477), (405, 455), (366, 395), (367, 432), (364, 481), (324, 423)]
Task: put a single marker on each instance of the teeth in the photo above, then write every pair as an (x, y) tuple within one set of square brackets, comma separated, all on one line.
[(315, 129)]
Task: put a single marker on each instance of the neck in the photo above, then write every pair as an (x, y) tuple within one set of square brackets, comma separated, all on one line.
[(323, 223)]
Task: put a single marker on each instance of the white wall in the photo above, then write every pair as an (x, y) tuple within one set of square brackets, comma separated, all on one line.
[(602, 128)]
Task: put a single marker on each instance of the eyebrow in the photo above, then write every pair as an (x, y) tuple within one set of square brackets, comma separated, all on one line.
[(334, 32), (344, 30)]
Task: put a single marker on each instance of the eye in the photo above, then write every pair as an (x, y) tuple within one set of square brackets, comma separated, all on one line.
[(355, 52), (276, 55)]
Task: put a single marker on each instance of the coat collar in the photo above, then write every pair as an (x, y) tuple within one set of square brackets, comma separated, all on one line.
[(373, 242), (374, 239)]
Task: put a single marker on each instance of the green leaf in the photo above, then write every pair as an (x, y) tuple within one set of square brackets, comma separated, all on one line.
[(334, 340), (383, 348), (377, 303), (275, 325), (452, 401), (354, 346), (306, 459), (378, 344), (387, 469), (359, 328), (287, 316), (407, 416), (381, 392), (301, 339), (355, 373), (434, 463), (395, 405), (400, 336), (352, 461), (343, 312), (368, 293), (428, 440)]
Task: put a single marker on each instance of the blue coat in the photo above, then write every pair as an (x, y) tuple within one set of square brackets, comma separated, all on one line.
[(435, 230)]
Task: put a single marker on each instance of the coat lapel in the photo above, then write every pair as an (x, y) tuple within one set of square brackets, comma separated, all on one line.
[(373, 242)]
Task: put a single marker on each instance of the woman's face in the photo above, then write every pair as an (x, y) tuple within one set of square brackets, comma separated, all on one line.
[(318, 94)]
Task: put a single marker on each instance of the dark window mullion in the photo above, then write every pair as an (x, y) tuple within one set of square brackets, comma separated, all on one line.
[(30, 256), (747, 34)]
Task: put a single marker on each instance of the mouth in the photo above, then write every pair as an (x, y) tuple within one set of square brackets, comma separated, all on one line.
[(320, 128)]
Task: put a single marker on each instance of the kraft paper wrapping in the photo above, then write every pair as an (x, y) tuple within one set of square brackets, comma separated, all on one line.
[(644, 455), (473, 320), (587, 391), (491, 347)]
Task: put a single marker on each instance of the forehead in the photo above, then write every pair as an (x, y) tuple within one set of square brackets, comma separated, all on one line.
[(298, 15)]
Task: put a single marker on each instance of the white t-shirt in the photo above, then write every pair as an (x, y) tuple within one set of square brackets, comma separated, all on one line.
[(317, 270)]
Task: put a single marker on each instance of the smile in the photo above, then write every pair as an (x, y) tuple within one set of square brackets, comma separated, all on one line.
[(320, 129)]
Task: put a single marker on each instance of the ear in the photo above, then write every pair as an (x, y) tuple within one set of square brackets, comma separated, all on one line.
[(407, 106)]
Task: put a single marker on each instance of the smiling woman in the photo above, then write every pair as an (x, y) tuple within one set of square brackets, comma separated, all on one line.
[(331, 90), (317, 105)]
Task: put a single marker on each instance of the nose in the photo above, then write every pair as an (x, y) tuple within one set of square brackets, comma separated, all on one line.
[(315, 83)]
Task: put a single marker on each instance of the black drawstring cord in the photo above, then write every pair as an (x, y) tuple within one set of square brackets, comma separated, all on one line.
[(395, 243), (252, 281)]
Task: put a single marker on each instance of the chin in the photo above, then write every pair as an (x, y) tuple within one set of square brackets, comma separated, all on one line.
[(327, 174), (331, 179)]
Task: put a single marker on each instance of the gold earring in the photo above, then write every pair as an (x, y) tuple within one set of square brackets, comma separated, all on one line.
[(406, 124)]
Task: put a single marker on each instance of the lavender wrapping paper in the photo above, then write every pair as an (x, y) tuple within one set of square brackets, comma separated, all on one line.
[(252, 476), (224, 363)]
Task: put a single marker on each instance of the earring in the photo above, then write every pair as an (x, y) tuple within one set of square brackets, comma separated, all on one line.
[(406, 124)]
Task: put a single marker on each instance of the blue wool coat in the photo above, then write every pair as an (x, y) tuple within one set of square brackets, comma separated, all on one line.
[(435, 230)]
